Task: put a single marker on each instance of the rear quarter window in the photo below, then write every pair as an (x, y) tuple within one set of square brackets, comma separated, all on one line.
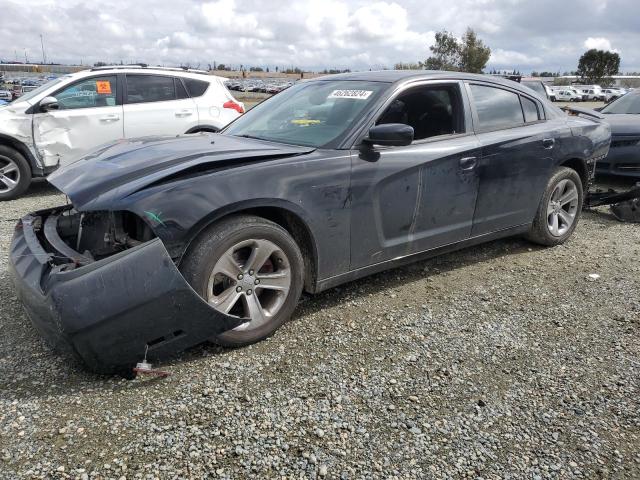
[(196, 88), (531, 113), (496, 108)]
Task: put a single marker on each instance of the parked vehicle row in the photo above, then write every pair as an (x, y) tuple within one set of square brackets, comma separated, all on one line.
[(585, 93), (70, 116), (272, 86), (214, 236)]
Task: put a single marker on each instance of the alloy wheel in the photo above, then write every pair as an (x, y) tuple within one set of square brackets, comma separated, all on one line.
[(9, 174), (251, 280), (562, 208)]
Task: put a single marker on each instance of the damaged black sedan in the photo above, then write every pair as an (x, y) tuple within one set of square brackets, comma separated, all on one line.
[(169, 242)]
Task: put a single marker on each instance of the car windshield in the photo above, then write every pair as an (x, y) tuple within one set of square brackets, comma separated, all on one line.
[(34, 93), (629, 103), (315, 114)]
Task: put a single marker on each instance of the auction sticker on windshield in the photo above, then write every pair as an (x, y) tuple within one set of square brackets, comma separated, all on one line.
[(356, 94)]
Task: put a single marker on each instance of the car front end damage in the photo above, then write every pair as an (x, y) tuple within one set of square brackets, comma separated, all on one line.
[(101, 286)]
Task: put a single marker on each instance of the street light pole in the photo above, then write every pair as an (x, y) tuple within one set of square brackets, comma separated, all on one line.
[(44, 57)]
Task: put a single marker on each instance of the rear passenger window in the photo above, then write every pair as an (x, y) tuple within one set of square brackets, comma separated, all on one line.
[(149, 88), (180, 90), (196, 88), (497, 108), (530, 109)]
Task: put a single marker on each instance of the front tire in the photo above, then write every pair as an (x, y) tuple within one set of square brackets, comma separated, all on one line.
[(559, 209), (247, 267), (15, 174)]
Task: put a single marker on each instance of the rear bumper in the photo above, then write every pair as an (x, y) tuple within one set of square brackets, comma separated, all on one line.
[(109, 311)]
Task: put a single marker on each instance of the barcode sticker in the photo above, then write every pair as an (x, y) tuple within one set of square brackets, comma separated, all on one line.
[(355, 94)]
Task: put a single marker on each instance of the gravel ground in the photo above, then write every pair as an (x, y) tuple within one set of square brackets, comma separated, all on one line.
[(501, 361)]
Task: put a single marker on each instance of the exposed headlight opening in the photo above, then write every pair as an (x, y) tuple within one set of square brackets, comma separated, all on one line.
[(84, 237)]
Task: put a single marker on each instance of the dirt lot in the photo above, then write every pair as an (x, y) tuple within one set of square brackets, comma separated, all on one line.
[(501, 361)]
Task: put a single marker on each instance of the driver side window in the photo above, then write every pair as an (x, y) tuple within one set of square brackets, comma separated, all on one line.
[(431, 110), (89, 93)]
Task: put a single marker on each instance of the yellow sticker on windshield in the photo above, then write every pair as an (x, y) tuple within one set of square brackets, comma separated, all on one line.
[(103, 87), (305, 121)]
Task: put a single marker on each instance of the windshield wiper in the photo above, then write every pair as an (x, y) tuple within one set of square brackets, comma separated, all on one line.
[(249, 136)]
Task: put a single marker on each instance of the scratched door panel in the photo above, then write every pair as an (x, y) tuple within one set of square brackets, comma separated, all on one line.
[(410, 199)]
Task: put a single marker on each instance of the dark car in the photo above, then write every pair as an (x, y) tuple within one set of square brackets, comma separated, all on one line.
[(168, 242), (623, 115)]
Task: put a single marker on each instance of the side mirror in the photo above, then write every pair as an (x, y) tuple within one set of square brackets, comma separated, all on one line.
[(390, 135), (49, 103), (598, 109)]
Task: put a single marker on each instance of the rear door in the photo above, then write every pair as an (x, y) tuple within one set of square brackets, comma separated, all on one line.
[(157, 104), (417, 197), (517, 156), (89, 115)]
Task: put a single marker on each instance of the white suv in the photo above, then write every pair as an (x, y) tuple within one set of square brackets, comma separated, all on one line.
[(70, 116)]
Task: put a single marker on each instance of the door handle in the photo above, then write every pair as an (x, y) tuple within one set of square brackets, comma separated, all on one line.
[(184, 113), (109, 118), (468, 163), (548, 143)]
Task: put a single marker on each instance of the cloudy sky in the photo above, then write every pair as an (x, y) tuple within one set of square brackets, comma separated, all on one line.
[(357, 34)]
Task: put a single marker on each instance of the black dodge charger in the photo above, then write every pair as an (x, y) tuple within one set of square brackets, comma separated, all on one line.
[(169, 242)]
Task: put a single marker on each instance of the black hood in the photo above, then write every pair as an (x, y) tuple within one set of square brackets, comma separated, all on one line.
[(123, 168), (623, 124)]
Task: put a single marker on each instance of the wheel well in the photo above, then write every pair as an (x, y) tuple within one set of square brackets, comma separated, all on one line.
[(20, 148), (203, 128), (580, 167), (297, 228)]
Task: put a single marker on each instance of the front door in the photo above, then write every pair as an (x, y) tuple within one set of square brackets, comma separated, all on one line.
[(421, 196), (157, 105), (89, 115)]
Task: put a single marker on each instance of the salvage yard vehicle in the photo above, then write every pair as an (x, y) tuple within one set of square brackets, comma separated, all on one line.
[(611, 94), (567, 95), (66, 118), (169, 242), (623, 115), (591, 93)]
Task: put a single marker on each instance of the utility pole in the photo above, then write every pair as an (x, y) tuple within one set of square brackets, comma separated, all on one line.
[(44, 57)]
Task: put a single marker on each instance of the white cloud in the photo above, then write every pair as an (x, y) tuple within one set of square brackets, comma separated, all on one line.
[(599, 43), (356, 34), (509, 57)]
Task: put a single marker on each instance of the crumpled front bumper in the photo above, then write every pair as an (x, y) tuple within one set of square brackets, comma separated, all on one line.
[(110, 311)]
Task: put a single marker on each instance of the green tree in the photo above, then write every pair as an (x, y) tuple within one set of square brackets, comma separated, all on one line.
[(597, 66), (474, 54), (445, 53), (469, 54), (408, 66)]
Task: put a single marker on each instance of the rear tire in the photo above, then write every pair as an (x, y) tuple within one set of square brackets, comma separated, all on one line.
[(219, 265), (559, 209), (15, 173)]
